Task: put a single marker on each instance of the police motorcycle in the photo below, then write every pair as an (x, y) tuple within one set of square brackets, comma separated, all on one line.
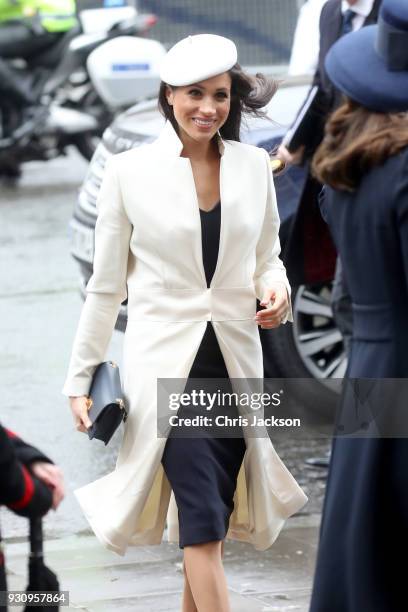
[(69, 80)]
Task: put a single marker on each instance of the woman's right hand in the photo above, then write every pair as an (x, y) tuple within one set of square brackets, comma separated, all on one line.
[(79, 408), (289, 158)]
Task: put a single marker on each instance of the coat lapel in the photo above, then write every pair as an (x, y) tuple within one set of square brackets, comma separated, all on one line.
[(169, 141)]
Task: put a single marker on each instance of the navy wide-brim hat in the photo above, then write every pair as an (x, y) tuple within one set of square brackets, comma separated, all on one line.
[(370, 66)]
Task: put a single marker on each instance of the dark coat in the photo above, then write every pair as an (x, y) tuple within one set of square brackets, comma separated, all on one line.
[(20, 491), (365, 518)]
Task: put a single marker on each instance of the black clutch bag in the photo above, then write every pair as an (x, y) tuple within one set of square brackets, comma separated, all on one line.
[(107, 407)]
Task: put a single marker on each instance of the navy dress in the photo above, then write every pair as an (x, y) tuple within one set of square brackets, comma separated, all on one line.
[(203, 471), (364, 528)]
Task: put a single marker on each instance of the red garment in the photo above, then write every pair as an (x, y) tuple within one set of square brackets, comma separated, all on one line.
[(19, 489)]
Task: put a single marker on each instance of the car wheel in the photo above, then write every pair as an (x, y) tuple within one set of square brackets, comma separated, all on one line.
[(311, 348)]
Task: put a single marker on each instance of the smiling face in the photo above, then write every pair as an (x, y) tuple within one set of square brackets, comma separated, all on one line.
[(202, 108)]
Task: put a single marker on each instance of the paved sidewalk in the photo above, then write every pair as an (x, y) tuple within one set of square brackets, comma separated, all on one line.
[(149, 578)]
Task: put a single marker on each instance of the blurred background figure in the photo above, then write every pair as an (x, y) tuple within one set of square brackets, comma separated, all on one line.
[(306, 41), (28, 27), (363, 160), (30, 484), (338, 17)]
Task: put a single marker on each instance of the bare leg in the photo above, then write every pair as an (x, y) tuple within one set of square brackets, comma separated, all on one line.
[(206, 576), (188, 599)]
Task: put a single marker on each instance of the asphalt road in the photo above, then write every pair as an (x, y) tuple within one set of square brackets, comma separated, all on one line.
[(39, 310)]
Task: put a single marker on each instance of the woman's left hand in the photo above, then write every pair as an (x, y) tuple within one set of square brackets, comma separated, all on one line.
[(278, 299)]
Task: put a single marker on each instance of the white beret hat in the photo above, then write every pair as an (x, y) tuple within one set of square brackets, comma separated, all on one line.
[(197, 58)]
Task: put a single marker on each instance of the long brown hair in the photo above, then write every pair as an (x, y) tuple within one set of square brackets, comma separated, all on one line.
[(356, 140), (249, 94)]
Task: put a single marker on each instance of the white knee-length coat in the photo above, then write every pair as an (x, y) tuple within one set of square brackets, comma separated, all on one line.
[(148, 248)]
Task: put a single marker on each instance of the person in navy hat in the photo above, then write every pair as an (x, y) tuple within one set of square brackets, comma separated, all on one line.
[(363, 160)]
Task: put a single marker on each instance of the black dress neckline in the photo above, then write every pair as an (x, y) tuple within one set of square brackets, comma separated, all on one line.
[(210, 238), (211, 209)]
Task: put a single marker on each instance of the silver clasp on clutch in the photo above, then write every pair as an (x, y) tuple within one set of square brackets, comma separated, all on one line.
[(122, 406), (119, 400)]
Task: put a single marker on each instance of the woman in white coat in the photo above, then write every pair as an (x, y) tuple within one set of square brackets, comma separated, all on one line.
[(187, 230)]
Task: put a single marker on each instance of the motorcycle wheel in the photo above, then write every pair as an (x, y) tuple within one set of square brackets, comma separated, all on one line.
[(86, 144), (93, 105)]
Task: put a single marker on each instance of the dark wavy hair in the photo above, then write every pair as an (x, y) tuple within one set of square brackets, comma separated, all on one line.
[(357, 140), (249, 95)]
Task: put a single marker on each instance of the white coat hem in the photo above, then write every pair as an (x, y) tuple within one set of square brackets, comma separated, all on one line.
[(98, 529)]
